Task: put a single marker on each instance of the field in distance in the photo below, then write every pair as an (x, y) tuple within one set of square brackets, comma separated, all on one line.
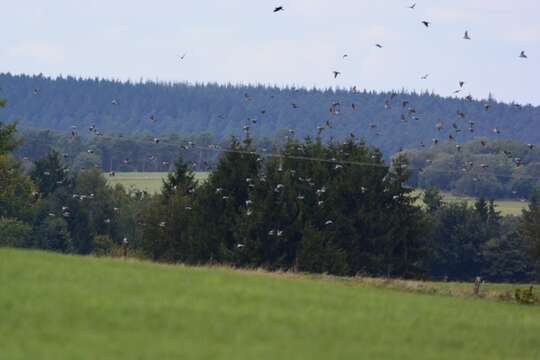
[(145, 181), (506, 207), (69, 307), (152, 181)]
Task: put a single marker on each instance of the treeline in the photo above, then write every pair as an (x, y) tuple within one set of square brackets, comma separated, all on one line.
[(335, 208), (117, 152), (480, 168), (390, 121)]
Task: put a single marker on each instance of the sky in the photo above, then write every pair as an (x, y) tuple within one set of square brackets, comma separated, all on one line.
[(244, 42)]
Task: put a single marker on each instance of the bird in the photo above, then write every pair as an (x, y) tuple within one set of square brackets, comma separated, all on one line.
[(412, 6), (36, 92), (345, 56), (461, 83), (426, 23), (425, 77), (379, 46), (278, 9), (523, 55), (114, 102), (336, 74), (466, 36), (183, 56), (239, 246)]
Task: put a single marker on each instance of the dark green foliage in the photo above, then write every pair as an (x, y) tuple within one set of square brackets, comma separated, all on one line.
[(530, 227), (181, 181), (8, 142), (321, 215), (222, 110), (14, 233), (53, 234), (117, 152), (50, 174), (476, 241), (481, 168)]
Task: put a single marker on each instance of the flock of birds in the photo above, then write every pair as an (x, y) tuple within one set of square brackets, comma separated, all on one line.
[(408, 112)]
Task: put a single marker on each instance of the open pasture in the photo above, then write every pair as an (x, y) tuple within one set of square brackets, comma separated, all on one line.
[(69, 307)]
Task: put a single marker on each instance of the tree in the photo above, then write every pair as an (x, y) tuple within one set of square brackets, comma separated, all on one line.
[(8, 143), (53, 234), (457, 239), (49, 174), (14, 233), (182, 180), (433, 199), (530, 227)]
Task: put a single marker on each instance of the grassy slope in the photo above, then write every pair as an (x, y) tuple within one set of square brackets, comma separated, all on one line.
[(60, 307)]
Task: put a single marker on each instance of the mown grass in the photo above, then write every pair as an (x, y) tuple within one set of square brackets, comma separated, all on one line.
[(145, 181), (506, 207), (67, 307)]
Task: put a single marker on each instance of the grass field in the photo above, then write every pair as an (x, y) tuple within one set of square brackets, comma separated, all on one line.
[(506, 207), (67, 307), (151, 182), (147, 181)]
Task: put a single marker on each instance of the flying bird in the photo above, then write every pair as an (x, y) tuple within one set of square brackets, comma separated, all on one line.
[(412, 6), (425, 77), (379, 46), (278, 9), (522, 55), (183, 56), (336, 74), (426, 23), (466, 36)]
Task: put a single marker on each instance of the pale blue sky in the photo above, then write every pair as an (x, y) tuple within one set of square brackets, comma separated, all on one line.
[(242, 41)]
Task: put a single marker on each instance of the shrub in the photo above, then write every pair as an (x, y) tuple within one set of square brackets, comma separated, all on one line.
[(14, 233)]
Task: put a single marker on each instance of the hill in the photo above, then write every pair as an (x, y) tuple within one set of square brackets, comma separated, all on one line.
[(66, 307), (389, 121), (493, 169)]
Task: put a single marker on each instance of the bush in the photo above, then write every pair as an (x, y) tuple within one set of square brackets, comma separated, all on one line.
[(526, 296), (14, 233), (103, 245)]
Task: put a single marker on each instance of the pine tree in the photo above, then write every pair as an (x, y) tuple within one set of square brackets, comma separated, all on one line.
[(530, 227)]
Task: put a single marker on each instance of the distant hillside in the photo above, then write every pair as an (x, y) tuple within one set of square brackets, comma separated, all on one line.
[(389, 121), (494, 169)]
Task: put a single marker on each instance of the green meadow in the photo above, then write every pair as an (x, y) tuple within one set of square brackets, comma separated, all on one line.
[(69, 307), (145, 181)]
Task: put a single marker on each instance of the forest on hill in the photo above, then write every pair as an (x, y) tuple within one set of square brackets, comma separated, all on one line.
[(480, 168), (390, 121)]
